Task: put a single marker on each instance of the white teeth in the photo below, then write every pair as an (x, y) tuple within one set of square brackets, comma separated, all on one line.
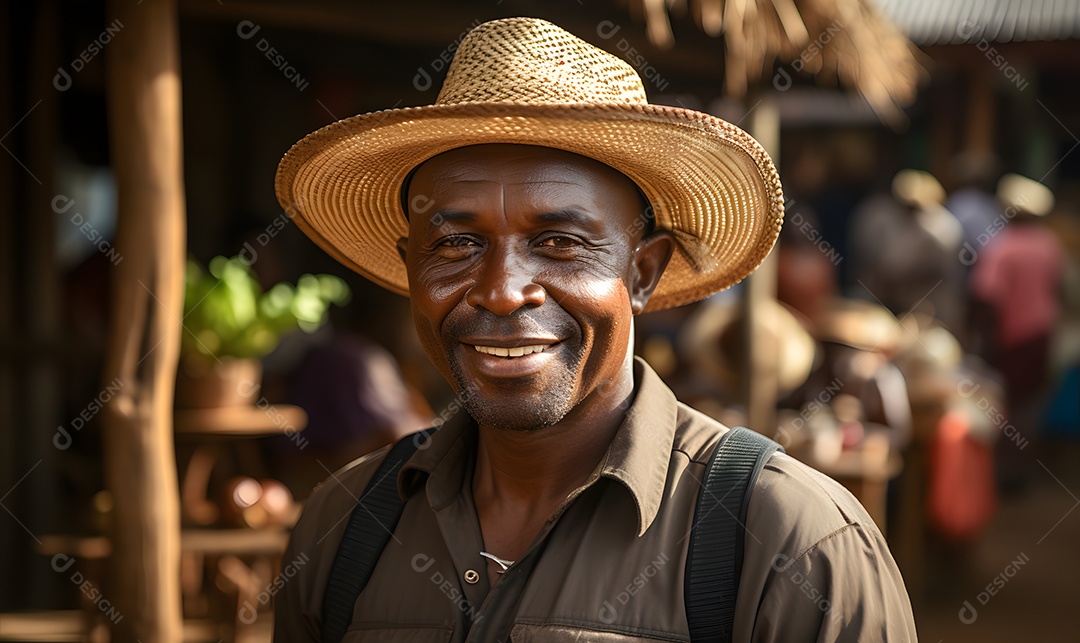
[(518, 351)]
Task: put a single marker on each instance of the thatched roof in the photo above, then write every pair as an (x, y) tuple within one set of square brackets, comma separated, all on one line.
[(846, 40)]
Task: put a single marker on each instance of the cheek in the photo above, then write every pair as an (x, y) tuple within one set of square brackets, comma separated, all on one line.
[(601, 307), (436, 286), (432, 299), (608, 333), (426, 333), (599, 277), (605, 288)]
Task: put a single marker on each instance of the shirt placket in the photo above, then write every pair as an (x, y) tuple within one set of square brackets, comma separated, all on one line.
[(496, 615)]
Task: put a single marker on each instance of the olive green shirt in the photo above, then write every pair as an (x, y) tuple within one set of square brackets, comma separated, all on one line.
[(609, 564)]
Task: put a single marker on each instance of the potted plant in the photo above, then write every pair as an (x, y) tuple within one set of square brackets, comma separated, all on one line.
[(230, 322)]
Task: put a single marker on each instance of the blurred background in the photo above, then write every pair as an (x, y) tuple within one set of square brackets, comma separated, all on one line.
[(915, 333)]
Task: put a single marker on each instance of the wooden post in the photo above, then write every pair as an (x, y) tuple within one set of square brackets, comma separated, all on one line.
[(761, 372), (981, 112), (145, 130)]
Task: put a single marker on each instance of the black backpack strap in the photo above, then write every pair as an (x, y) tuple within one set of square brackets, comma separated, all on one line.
[(714, 561), (371, 525)]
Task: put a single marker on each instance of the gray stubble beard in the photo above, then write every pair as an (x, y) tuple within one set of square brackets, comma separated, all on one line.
[(518, 414)]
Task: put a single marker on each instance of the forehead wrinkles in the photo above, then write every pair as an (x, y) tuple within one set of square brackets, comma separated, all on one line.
[(515, 198), (531, 178), (512, 164)]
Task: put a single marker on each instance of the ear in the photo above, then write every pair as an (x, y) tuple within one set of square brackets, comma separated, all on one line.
[(650, 259), (403, 249)]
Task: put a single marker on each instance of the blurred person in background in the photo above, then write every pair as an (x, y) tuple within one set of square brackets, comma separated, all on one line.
[(905, 249), (1017, 278), (350, 383), (855, 343), (972, 201)]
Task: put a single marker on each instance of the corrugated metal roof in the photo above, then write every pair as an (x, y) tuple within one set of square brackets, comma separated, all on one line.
[(942, 22)]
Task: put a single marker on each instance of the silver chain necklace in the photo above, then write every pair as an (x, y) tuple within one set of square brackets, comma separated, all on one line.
[(501, 562)]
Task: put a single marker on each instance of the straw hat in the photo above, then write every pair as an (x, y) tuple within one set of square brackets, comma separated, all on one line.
[(524, 80), (1021, 194)]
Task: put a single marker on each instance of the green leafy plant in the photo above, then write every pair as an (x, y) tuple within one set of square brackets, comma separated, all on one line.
[(227, 313)]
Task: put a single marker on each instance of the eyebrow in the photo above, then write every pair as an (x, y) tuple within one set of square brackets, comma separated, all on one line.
[(579, 218), (450, 216), (568, 215)]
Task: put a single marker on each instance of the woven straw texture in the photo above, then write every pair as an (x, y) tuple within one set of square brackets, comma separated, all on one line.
[(526, 81)]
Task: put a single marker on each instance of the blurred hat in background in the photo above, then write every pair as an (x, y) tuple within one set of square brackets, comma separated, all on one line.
[(713, 339), (1020, 194), (863, 325), (917, 189)]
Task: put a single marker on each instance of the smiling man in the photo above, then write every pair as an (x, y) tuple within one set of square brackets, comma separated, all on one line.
[(529, 215)]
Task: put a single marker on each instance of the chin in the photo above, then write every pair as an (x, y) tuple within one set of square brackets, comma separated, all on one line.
[(516, 414), (527, 403), (517, 406)]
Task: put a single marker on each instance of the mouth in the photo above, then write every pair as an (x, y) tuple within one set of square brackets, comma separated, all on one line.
[(502, 358), (511, 352)]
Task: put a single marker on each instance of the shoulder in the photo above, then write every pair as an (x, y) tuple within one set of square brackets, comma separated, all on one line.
[(798, 506), (696, 434), (789, 498), (334, 498), (814, 562), (314, 544)]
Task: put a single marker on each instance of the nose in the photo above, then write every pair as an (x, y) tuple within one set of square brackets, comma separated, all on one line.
[(504, 283)]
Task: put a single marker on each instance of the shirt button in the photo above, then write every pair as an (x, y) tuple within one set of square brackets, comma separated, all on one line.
[(471, 577)]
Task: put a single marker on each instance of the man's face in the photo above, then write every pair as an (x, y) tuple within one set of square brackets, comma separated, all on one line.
[(526, 266)]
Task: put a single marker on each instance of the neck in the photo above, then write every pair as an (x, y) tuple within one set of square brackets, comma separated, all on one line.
[(534, 471)]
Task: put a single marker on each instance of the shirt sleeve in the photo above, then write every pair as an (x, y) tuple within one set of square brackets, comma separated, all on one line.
[(292, 618), (815, 566), (845, 588)]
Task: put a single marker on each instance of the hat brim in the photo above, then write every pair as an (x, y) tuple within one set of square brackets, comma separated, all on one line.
[(709, 183)]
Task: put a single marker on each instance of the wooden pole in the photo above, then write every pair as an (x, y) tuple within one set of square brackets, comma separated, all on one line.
[(761, 372), (145, 130)]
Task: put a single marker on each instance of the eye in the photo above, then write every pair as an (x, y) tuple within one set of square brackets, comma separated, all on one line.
[(457, 241), (559, 241), (456, 246)]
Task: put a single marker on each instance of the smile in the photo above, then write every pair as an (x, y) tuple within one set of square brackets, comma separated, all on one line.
[(517, 351)]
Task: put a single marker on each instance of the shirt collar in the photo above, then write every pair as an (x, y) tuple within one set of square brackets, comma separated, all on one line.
[(641, 450), (638, 456)]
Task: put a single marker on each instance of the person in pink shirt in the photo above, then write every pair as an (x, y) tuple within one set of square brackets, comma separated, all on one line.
[(1017, 278)]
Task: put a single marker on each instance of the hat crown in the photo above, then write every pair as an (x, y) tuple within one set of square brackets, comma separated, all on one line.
[(528, 60)]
